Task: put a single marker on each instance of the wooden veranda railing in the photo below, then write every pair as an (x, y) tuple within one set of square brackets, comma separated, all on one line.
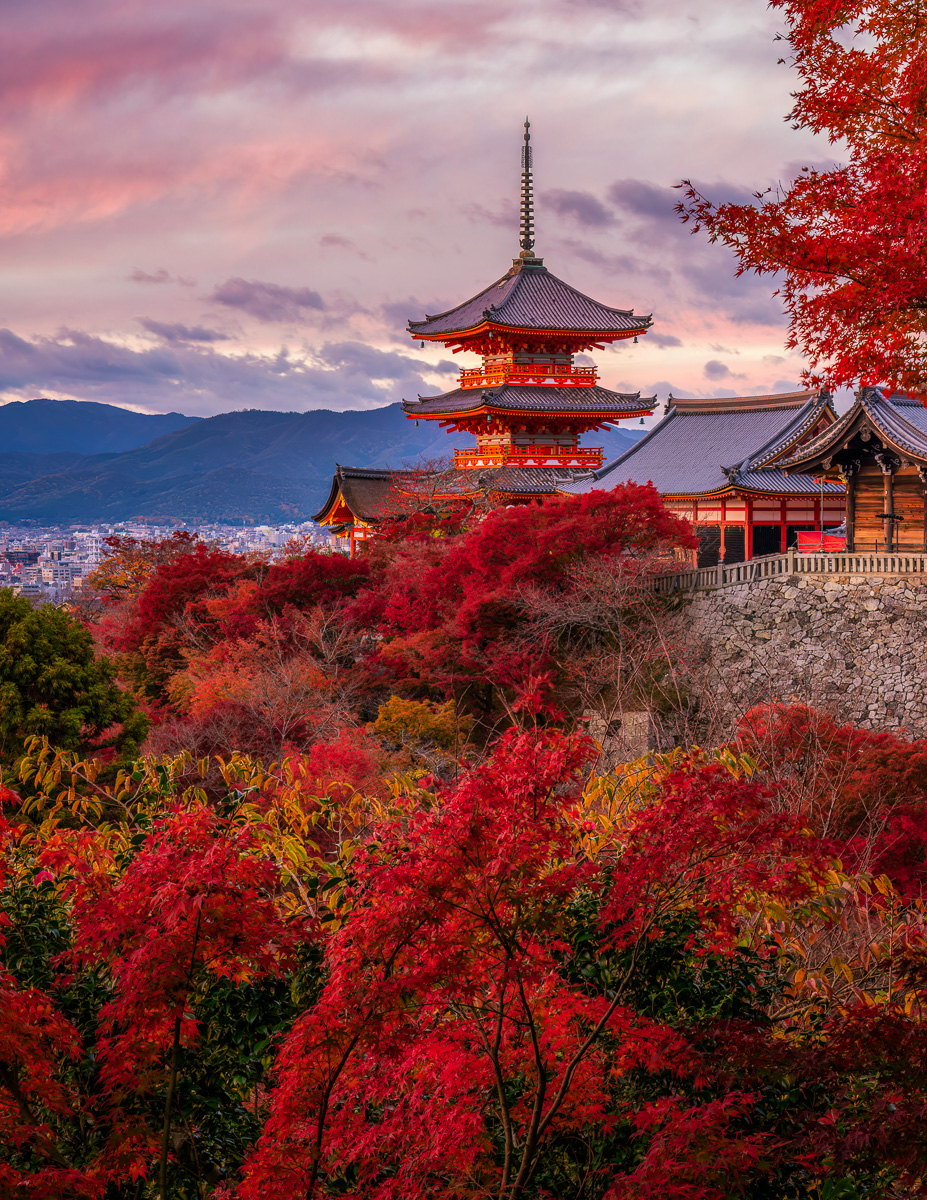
[(791, 563)]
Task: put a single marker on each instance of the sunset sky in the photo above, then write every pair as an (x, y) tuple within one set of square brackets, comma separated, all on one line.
[(228, 204)]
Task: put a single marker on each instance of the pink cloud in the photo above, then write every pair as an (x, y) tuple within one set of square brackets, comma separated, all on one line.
[(364, 153)]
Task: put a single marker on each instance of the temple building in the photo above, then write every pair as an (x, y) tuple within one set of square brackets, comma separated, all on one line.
[(358, 499), (529, 403), (719, 464), (878, 450)]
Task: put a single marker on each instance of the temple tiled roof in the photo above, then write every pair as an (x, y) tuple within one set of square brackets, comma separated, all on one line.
[(900, 420), (530, 297), (774, 482), (530, 399), (373, 493), (707, 446), (542, 481), (367, 491)]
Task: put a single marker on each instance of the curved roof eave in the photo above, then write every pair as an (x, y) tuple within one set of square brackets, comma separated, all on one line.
[(333, 496), (508, 399), (901, 434), (545, 295)]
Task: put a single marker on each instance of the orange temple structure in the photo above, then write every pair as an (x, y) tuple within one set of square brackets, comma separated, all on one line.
[(528, 404)]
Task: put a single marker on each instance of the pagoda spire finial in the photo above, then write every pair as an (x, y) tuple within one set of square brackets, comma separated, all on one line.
[(526, 232)]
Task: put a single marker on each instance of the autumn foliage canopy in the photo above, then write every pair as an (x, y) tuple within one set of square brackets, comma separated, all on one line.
[(374, 917)]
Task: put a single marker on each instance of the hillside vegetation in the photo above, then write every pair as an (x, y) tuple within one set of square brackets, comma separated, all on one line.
[(252, 466), (373, 916)]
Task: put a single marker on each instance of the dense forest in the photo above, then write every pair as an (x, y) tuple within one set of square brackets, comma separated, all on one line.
[(316, 884), (330, 878)]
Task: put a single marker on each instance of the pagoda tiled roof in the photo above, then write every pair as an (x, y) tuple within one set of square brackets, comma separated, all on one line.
[(541, 481), (900, 420), (529, 297), (519, 398), (702, 447)]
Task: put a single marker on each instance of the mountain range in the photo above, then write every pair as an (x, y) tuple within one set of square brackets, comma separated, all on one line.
[(81, 426), (66, 461)]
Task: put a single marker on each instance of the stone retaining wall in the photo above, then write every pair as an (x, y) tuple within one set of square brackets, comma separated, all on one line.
[(853, 645)]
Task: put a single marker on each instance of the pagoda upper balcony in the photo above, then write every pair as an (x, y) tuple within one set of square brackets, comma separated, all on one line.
[(529, 374), (526, 455)]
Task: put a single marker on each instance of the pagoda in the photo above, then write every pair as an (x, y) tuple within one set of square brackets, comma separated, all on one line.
[(528, 404)]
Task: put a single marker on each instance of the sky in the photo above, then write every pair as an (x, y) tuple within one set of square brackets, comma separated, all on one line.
[(228, 204)]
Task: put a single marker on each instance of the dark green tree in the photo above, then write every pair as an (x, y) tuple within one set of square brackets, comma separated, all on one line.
[(52, 685)]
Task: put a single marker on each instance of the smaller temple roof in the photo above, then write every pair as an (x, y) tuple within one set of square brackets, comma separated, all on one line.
[(689, 451), (900, 421), (523, 398), (529, 297), (370, 494), (366, 491)]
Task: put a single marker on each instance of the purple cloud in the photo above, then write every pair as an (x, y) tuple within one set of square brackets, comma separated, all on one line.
[(268, 301), (643, 199), (195, 378), (139, 276), (173, 333), (583, 207), (714, 369), (504, 217), (160, 276)]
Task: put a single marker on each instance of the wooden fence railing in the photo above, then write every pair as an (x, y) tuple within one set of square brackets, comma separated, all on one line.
[(791, 563)]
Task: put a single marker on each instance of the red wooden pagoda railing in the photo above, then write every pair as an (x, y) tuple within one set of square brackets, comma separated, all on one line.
[(530, 374), (531, 456)]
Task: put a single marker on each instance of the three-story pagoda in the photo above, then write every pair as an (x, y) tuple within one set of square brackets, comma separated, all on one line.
[(528, 404)]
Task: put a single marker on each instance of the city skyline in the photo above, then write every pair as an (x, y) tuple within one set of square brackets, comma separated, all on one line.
[(237, 205)]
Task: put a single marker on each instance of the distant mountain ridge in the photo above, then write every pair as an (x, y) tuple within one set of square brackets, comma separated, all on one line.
[(81, 427), (238, 467)]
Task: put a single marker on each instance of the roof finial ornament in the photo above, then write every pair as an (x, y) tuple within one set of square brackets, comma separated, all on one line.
[(526, 238)]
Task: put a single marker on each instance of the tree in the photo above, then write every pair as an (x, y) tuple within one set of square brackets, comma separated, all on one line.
[(865, 789), (149, 630), (531, 995), (454, 611), (130, 562), (523, 984), (847, 243), (148, 962), (52, 686)]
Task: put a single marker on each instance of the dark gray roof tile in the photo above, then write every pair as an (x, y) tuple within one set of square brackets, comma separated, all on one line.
[(530, 297), (901, 420), (704, 450), (526, 399)]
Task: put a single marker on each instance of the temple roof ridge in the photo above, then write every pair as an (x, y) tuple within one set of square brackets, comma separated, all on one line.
[(699, 405), (791, 434), (899, 428)]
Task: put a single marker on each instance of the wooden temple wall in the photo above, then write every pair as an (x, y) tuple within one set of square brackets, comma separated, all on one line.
[(875, 494)]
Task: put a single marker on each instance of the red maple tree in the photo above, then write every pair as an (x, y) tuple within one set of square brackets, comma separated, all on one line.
[(847, 243), (488, 1025), (453, 611)]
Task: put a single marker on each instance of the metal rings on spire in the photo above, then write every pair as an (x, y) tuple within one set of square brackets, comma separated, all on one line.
[(526, 232)]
